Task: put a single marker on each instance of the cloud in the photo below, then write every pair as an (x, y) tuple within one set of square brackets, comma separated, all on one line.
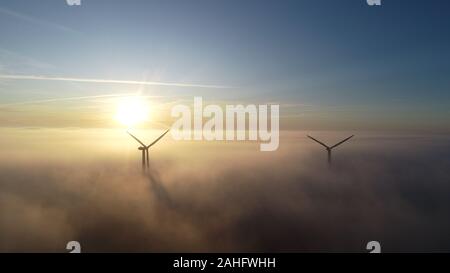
[(233, 200)]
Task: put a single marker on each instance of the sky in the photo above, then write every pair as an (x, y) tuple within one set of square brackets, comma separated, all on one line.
[(331, 65)]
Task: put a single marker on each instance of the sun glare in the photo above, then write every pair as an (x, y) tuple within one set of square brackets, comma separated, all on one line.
[(132, 111)]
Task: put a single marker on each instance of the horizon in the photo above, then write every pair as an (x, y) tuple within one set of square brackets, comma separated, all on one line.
[(238, 86)]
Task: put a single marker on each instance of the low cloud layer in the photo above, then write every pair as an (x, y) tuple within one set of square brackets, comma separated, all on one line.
[(235, 200)]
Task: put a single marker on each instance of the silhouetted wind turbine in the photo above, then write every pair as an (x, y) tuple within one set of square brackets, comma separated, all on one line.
[(144, 148), (328, 148)]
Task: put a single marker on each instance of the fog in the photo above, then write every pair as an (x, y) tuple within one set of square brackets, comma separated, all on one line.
[(208, 196)]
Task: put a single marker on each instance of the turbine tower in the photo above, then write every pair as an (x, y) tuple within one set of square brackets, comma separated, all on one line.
[(144, 148), (328, 148)]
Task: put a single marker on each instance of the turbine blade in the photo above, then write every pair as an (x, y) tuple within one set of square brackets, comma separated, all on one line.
[(154, 142), (136, 139), (339, 143), (321, 143)]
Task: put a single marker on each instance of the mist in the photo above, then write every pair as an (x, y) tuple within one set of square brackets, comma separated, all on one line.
[(215, 197)]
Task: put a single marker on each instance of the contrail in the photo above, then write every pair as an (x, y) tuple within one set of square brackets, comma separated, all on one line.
[(67, 99), (36, 21), (46, 78)]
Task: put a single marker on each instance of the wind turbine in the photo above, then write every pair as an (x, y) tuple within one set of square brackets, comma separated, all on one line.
[(144, 148), (328, 148)]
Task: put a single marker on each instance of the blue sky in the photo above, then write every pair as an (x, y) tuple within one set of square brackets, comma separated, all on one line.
[(352, 65)]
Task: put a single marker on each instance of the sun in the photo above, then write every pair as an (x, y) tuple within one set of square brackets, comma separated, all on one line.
[(132, 111)]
